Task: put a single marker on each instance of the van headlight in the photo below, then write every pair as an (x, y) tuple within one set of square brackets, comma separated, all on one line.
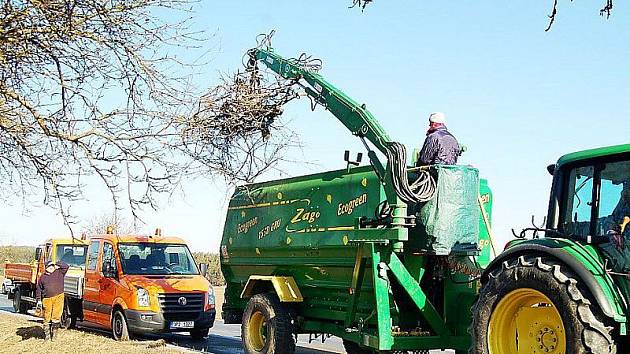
[(143, 297), (210, 295)]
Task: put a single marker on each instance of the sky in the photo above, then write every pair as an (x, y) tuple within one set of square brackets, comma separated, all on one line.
[(518, 97)]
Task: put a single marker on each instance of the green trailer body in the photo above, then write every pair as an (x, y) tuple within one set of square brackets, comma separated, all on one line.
[(360, 253), (364, 284)]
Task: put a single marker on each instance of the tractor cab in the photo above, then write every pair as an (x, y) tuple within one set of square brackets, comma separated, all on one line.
[(567, 292), (590, 201)]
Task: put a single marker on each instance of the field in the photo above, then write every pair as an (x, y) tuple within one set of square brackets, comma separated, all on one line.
[(20, 335), (16, 254)]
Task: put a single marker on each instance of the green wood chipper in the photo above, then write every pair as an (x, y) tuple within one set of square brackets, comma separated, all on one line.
[(392, 258)]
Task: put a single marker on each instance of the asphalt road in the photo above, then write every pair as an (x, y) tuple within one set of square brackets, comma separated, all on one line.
[(225, 339)]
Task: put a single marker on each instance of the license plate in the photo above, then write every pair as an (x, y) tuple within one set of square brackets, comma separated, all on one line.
[(182, 324)]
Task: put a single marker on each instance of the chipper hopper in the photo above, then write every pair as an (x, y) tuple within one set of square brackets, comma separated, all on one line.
[(384, 256)]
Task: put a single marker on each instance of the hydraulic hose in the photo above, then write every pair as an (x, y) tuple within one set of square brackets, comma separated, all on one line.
[(421, 190)]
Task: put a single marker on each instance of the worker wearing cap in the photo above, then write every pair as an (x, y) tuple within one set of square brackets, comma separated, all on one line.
[(50, 291), (440, 146)]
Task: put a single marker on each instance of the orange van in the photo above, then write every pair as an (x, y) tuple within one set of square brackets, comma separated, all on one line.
[(144, 284)]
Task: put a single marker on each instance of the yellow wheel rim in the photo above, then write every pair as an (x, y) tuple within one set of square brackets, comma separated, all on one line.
[(525, 321), (257, 331)]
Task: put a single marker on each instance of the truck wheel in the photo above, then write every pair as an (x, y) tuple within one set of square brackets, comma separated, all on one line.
[(354, 348), (67, 320), (119, 326), (199, 334), (535, 304), (267, 327), (18, 305)]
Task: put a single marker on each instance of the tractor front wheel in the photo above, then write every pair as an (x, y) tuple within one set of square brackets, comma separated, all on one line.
[(536, 305)]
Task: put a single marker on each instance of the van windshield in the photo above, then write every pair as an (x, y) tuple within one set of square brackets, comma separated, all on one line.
[(72, 255), (156, 259)]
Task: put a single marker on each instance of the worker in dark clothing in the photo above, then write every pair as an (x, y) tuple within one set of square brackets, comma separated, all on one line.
[(440, 146), (50, 295)]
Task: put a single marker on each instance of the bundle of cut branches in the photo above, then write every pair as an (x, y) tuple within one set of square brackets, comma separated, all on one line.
[(236, 127)]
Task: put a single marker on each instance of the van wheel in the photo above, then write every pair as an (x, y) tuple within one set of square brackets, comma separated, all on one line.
[(199, 334), (536, 304), (119, 326), (267, 327), (67, 320), (18, 305)]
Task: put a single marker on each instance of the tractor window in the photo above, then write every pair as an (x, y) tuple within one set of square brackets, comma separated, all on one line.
[(606, 207), (578, 216), (614, 200)]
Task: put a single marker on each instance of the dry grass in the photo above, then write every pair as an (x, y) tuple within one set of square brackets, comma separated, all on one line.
[(20, 335)]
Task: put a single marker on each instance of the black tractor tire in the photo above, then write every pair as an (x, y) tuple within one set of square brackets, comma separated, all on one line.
[(68, 321), (585, 327), (19, 305), (265, 310), (199, 333), (120, 330), (354, 348)]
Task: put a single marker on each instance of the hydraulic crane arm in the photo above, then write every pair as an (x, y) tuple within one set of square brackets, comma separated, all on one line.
[(360, 122), (353, 115)]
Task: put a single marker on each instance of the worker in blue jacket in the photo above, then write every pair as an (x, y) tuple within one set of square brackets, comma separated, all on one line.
[(440, 146)]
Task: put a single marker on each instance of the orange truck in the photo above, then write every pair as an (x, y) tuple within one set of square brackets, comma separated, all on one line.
[(21, 278), (142, 284)]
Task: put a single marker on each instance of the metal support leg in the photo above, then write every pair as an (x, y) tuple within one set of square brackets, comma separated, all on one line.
[(381, 294)]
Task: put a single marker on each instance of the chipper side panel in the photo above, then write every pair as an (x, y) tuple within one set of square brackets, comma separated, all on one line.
[(304, 228), (309, 228)]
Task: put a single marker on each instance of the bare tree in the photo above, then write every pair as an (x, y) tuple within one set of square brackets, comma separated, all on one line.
[(235, 129), (89, 89), (605, 10), (98, 225)]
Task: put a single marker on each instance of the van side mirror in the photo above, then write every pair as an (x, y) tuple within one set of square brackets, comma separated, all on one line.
[(203, 268), (38, 253), (551, 168)]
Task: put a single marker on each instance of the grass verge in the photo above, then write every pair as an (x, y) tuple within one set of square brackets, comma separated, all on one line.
[(21, 335)]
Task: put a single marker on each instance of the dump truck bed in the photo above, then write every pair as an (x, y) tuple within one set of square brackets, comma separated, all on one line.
[(21, 272)]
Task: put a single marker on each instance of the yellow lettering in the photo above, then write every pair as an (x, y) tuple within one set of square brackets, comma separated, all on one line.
[(297, 216)]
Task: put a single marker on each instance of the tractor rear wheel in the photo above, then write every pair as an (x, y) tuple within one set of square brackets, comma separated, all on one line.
[(536, 305), (266, 327)]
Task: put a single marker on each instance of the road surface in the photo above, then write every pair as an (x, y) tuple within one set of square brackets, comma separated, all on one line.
[(226, 339)]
